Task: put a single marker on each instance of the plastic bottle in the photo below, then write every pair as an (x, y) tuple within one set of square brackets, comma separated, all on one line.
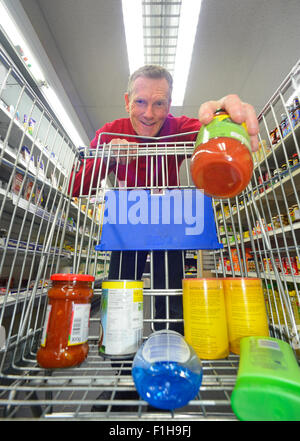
[(166, 370), (222, 163), (268, 381), (245, 310), (204, 313)]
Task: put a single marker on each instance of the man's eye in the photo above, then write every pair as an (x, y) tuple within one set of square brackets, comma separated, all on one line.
[(140, 101)]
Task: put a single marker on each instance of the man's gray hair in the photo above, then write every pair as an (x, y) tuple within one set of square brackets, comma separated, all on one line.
[(150, 71)]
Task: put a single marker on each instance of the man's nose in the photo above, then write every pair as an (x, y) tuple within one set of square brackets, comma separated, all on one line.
[(148, 112)]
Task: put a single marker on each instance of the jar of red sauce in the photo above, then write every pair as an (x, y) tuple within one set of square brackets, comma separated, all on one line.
[(64, 340), (222, 163)]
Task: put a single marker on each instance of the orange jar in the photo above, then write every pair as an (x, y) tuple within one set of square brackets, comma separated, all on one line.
[(64, 340), (222, 164)]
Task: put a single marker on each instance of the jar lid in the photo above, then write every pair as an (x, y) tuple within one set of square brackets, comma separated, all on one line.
[(72, 277)]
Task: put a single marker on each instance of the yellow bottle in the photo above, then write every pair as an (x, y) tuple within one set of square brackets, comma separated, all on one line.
[(245, 310), (204, 314)]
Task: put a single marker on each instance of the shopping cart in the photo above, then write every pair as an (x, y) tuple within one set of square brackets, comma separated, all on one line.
[(44, 231)]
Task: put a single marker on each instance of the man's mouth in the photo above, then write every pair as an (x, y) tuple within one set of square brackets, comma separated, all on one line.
[(147, 124)]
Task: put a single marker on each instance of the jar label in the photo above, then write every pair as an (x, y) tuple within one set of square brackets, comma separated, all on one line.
[(79, 327), (166, 346), (121, 320), (222, 126), (46, 324)]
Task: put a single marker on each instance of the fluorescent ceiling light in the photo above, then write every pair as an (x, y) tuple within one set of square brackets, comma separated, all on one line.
[(133, 23), (189, 15), (16, 38)]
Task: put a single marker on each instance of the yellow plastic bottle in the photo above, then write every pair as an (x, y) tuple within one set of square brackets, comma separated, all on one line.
[(245, 310), (204, 314)]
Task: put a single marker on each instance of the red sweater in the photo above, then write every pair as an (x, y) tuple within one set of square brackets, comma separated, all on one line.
[(172, 126)]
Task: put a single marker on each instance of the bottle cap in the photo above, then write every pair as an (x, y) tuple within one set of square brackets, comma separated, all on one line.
[(72, 277)]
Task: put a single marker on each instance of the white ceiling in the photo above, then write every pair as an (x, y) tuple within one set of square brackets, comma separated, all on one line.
[(242, 46)]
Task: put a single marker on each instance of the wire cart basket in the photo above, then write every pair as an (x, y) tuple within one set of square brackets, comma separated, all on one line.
[(45, 230)]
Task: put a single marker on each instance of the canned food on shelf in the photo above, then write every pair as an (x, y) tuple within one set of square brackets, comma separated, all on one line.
[(276, 174), (295, 159), (296, 213), (273, 136)]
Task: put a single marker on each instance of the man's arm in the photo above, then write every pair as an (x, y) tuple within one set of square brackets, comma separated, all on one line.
[(85, 172)]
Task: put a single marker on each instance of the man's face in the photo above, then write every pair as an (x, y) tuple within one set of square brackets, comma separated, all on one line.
[(148, 105)]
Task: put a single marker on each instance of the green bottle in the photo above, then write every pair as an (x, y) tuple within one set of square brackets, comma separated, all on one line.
[(268, 381)]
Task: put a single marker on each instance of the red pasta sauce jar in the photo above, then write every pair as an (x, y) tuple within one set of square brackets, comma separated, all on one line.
[(65, 336), (222, 164)]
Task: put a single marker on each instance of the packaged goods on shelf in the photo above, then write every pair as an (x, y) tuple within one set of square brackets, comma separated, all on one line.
[(17, 183), (283, 264), (38, 196), (285, 125), (31, 125), (294, 213), (27, 160), (276, 307), (290, 265), (28, 189), (262, 151), (235, 258), (54, 180), (41, 168)]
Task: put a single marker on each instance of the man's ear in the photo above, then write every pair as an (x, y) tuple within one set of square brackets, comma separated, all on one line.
[(126, 96)]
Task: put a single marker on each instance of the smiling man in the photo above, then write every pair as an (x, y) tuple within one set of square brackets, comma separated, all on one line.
[(148, 100), (148, 104)]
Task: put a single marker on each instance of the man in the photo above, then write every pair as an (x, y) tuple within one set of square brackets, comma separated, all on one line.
[(147, 101)]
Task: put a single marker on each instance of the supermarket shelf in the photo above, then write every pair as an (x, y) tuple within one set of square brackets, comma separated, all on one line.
[(9, 301), (277, 149), (262, 275), (270, 233), (17, 131), (37, 211), (268, 196)]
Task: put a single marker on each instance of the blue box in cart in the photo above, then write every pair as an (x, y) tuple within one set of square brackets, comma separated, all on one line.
[(168, 219)]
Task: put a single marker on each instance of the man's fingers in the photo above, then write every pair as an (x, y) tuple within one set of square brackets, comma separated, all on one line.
[(123, 150), (239, 112)]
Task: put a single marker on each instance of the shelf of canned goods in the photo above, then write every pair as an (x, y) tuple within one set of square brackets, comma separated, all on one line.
[(44, 231)]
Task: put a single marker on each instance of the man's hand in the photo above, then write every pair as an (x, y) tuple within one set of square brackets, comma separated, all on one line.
[(239, 112), (123, 155)]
